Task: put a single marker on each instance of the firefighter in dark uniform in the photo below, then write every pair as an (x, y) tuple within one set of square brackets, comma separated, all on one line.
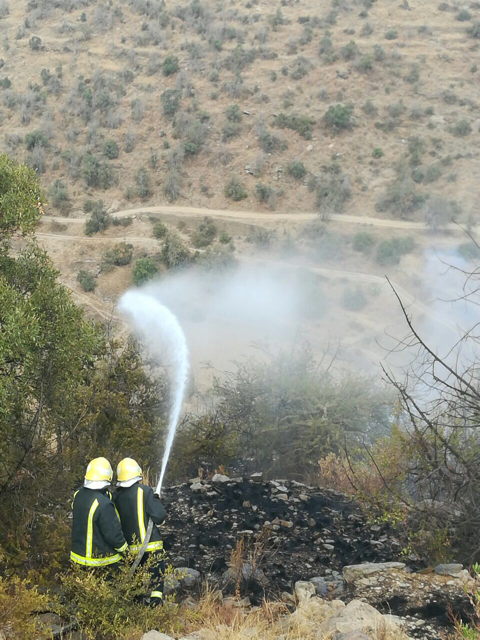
[(136, 505), (97, 537)]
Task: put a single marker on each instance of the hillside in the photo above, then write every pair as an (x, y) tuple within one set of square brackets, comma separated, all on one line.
[(149, 101)]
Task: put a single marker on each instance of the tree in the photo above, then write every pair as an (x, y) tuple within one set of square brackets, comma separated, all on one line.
[(144, 270), (174, 253), (142, 180), (111, 149), (170, 65)]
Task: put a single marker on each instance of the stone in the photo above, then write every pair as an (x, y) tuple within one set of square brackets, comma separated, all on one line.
[(449, 570), (219, 477), (155, 635), (310, 147), (355, 571), (304, 590), (187, 577), (352, 635), (197, 487), (357, 616), (321, 585), (257, 477)]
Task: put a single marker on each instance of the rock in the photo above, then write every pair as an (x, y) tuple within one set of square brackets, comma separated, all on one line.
[(304, 590), (187, 577), (155, 635), (353, 635), (449, 570), (310, 147), (331, 585), (321, 585), (356, 571), (257, 477), (196, 487), (219, 477), (357, 617)]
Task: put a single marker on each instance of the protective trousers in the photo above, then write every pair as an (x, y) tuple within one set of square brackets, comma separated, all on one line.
[(156, 571)]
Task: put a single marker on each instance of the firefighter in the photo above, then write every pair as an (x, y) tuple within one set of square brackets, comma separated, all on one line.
[(97, 537), (136, 504)]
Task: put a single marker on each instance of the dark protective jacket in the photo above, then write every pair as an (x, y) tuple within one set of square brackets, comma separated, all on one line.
[(136, 505), (97, 537)]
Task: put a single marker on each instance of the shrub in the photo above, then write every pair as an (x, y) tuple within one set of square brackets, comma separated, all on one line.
[(35, 43), (413, 75), (270, 143), (391, 34), (124, 221), (19, 601), (86, 280), (174, 253), (233, 113), (160, 230), (365, 64), (110, 605), (338, 117), (35, 139), (463, 16), (119, 255), (111, 149), (170, 65), (303, 125), (205, 234), (370, 109), (142, 180), (297, 170), (96, 173), (377, 153), (99, 219), (349, 51), (217, 258), (230, 130), (5, 83), (58, 196), (170, 102), (263, 192), (144, 270), (469, 251), (438, 212), (363, 242), (389, 252), (461, 129), (234, 190), (354, 299), (401, 197), (474, 30), (333, 191), (224, 237)]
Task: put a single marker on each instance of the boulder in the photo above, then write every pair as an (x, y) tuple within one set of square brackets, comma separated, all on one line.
[(197, 487), (358, 616), (219, 477), (353, 635), (355, 571), (188, 578), (304, 590), (449, 570), (257, 477), (155, 635)]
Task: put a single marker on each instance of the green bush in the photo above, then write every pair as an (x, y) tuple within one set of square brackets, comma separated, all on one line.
[(35, 43), (96, 173), (463, 16), (217, 258), (233, 113), (170, 102), (35, 139), (270, 143), (297, 170), (111, 149), (170, 65), (58, 196), (230, 130), (338, 117), (205, 234), (99, 219), (119, 255), (174, 253), (263, 192), (391, 34), (370, 109), (109, 605), (354, 299), (377, 153), (401, 197), (224, 237), (144, 270), (5, 83), (349, 51), (365, 64), (363, 242), (461, 129), (86, 280), (469, 251), (19, 602), (302, 124), (160, 230), (474, 30), (235, 190), (142, 180), (333, 191), (124, 221), (389, 252)]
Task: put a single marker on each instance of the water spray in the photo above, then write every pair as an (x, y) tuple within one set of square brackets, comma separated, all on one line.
[(160, 331)]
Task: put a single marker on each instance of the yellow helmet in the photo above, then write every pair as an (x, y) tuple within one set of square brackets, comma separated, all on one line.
[(99, 472), (128, 472)]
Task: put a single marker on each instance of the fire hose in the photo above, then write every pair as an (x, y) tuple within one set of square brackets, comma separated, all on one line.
[(146, 539)]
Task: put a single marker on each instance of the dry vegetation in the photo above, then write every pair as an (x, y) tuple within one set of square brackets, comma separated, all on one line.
[(252, 104)]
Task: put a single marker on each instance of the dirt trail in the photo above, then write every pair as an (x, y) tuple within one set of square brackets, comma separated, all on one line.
[(257, 216)]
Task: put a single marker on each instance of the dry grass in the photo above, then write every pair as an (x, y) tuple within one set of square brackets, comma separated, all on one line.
[(217, 619)]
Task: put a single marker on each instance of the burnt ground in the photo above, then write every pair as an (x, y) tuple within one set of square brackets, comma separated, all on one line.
[(302, 532)]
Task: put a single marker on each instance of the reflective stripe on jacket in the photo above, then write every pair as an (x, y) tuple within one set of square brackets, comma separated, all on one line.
[(97, 538), (136, 505)]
